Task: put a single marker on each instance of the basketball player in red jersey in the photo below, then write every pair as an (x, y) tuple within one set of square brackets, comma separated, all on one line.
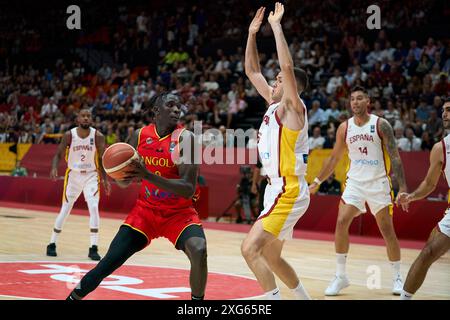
[(164, 207)]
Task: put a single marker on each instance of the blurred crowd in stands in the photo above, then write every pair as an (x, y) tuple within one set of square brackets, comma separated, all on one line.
[(407, 77)]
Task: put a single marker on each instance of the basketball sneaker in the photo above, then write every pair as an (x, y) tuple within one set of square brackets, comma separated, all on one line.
[(51, 250), (336, 285), (93, 253), (397, 286)]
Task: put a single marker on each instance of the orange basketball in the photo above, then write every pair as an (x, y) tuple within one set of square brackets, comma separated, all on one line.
[(117, 158)]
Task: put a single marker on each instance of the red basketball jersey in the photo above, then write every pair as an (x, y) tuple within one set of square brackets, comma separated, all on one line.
[(159, 154)]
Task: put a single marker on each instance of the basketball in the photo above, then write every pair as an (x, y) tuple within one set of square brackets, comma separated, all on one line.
[(117, 158)]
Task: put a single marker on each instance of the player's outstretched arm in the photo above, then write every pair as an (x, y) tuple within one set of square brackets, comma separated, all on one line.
[(291, 99), (431, 180), (330, 163), (101, 143), (188, 171), (65, 141), (252, 67), (387, 134)]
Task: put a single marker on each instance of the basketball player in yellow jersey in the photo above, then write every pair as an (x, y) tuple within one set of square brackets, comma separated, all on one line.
[(439, 241), (83, 147), (372, 149), (283, 150)]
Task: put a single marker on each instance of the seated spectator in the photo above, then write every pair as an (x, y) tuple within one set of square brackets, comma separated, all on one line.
[(410, 142), (330, 186), (221, 110), (19, 171), (332, 113), (334, 82), (316, 141), (49, 107), (423, 110), (316, 116), (434, 125), (330, 139), (237, 105), (391, 114), (427, 141)]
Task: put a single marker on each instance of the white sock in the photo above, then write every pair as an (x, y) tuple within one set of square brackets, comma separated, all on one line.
[(273, 294), (406, 295), (300, 292), (54, 236), (94, 238), (396, 269), (341, 259)]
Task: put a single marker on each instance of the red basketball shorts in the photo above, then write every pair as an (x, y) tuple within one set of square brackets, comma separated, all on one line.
[(160, 222)]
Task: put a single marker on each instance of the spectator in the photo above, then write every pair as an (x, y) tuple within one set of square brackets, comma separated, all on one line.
[(330, 139), (410, 142), (19, 171), (316, 141), (427, 141), (434, 125), (49, 107), (330, 186), (316, 115), (236, 106), (332, 113), (423, 110), (335, 81), (391, 114)]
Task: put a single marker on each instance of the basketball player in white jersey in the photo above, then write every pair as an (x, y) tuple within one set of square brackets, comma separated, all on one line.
[(372, 149), (283, 150), (83, 147), (439, 241)]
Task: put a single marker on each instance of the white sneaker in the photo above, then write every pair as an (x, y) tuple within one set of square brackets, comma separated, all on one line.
[(336, 285), (397, 286)]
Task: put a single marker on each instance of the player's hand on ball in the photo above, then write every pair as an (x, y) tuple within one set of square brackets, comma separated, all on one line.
[(275, 16), (257, 20), (138, 169)]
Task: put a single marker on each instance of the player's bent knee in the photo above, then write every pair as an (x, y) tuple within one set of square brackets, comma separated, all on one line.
[(343, 222), (196, 249), (248, 250)]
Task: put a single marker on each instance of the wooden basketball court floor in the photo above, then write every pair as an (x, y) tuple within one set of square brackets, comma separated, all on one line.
[(25, 233)]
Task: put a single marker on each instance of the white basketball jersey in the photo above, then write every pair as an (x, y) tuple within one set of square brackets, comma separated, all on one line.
[(446, 164), (283, 152), (368, 158), (82, 153)]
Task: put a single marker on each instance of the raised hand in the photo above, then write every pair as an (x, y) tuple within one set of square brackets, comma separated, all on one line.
[(275, 16), (256, 22)]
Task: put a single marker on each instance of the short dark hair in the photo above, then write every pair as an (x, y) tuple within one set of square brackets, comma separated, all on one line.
[(160, 99), (302, 77), (359, 88), (446, 100)]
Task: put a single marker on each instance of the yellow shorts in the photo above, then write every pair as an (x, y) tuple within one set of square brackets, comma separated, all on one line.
[(286, 199)]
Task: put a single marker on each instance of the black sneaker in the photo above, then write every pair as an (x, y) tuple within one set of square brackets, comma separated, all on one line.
[(51, 250), (93, 253)]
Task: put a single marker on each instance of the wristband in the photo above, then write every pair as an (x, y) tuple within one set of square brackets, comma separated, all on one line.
[(316, 180)]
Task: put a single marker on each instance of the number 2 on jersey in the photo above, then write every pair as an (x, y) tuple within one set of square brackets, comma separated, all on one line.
[(363, 150), (83, 157)]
